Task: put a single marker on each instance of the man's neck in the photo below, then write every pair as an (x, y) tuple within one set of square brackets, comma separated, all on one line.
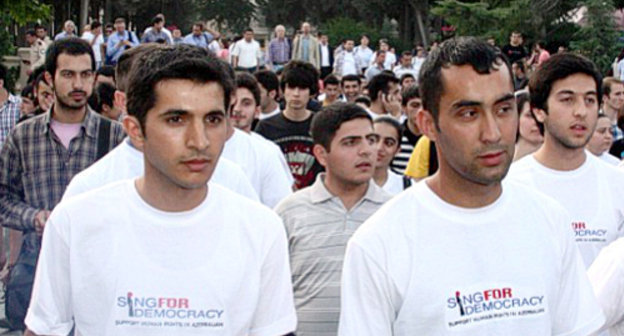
[(412, 128), (380, 176), (524, 148), (162, 194), (68, 116), (272, 106), (349, 194), (610, 112), (555, 156), (377, 106), (297, 115), (459, 191)]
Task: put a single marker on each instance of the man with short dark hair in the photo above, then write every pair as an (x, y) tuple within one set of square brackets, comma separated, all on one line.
[(321, 218), (385, 95), (377, 66), (42, 34), (347, 61), (119, 41), (9, 106), (269, 93), (43, 153), (291, 128), (515, 51), (246, 54), (331, 90), (520, 77), (326, 54), (412, 104), (156, 34), (198, 37), (565, 95), (612, 103), (364, 52), (95, 38), (169, 249), (163, 28), (465, 252), (351, 87), (405, 66), (105, 97), (406, 81)]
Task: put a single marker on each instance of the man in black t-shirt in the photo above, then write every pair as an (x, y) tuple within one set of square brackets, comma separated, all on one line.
[(514, 50), (291, 128)]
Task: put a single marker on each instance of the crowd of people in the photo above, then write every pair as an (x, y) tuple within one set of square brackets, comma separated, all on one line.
[(164, 184)]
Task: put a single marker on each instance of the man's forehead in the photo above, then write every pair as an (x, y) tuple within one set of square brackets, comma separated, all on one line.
[(458, 82), (80, 62), (243, 92)]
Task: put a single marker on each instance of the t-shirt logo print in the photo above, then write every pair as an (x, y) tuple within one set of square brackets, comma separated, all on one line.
[(471, 307)]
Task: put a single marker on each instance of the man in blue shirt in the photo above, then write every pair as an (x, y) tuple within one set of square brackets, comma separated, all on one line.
[(198, 37), (156, 34), (119, 41)]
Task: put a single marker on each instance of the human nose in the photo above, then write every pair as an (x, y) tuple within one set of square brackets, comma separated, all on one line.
[(490, 129), (196, 136)]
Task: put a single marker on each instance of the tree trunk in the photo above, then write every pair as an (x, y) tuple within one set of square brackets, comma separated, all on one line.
[(108, 8), (84, 14), (422, 29)]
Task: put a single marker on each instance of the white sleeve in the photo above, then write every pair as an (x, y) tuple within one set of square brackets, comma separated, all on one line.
[(75, 187), (275, 183), (275, 311), (245, 188), (50, 311), (236, 49), (366, 300), (606, 275), (576, 310)]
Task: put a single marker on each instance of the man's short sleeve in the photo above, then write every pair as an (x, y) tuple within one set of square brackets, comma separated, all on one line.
[(606, 275), (51, 311), (275, 311), (577, 312), (366, 299)]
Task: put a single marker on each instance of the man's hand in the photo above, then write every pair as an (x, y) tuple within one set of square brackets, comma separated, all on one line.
[(40, 219), (391, 105)]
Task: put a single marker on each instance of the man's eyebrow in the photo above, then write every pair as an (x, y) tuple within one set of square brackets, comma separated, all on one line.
[(564, 92), (504, 98), (465, 103)]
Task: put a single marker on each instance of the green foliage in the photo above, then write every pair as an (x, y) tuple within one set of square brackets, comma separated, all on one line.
[(476, 19), (236, 14), (597, 38), (19, 12)]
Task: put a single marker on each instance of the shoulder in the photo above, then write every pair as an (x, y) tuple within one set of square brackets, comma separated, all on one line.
[(295, 201), (237, 208), (30, 128)]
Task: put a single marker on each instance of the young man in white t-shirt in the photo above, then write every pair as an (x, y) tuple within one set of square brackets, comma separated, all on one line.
[(167, 253), (565, 95), (246, 54), (462, 252)]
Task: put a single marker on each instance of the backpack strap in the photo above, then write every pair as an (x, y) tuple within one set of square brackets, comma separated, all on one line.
[(103, 138), (407, 182)]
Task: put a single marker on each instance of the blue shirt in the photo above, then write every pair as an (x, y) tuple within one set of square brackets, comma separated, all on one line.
[(201, 41), (113, 51), (153, 36), (305, 49)]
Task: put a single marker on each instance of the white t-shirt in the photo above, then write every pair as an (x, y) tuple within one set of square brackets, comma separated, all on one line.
[(88, 36), (278, 153), (126, 162), (592, 193), (270, 114), (606, 275), (394, 183), (248, 53), (421, 266), (348, 66), (219, 269), (608, 158), (262, 166)]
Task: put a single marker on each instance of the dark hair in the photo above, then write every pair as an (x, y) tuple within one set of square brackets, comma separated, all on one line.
[(248, 81), (482, 56), (557, 67), (300, 74), (120, 20), (350, 78), (73, 46), (406, 53), (107, 71), (380, 83), (157, 19), (109, 25), (607, 82), (364, 100), (28, 92), (541, 44), (31, 32), (173, 62), (268, 79), (105, 94), (4, 72), (248, 29), (520, 65), (523, 98), (406, 76), (409, 94), (199, 24), (125, 62), (392, 122), (365, 35), (41, 27), (95, 24), (326, 123), (331, 80)]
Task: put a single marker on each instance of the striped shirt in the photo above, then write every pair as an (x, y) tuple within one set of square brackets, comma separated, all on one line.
[(278, 51), (35, 168), (9, 115), (318, 228), (408, 142)]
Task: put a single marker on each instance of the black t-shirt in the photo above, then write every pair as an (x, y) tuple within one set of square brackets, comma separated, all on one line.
[(514, 53), (296, 143), (617, 149)]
